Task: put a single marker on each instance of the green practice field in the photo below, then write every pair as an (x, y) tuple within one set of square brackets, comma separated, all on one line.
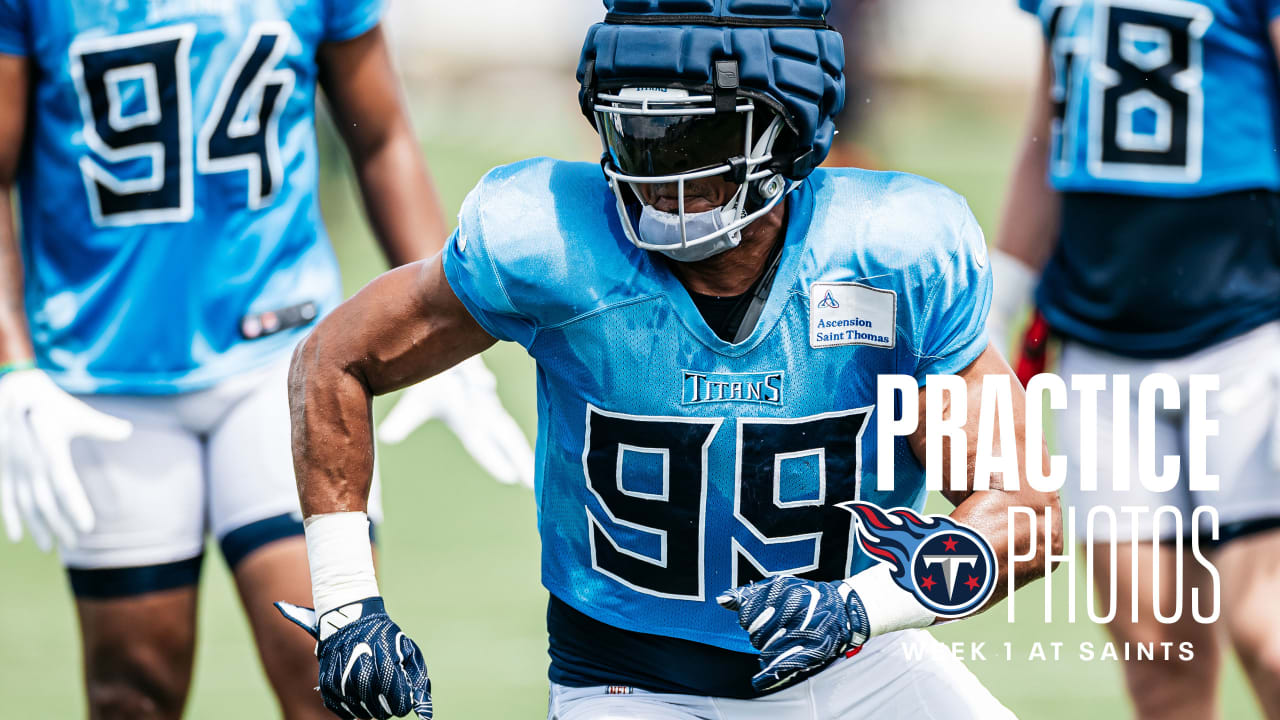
[(459, 553)]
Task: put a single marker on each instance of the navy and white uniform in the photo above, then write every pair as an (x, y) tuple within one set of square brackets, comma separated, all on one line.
[(1165, 145), (673, 465)]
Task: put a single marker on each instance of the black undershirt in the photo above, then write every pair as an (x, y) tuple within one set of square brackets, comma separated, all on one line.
[(588, 653), (722, 314)]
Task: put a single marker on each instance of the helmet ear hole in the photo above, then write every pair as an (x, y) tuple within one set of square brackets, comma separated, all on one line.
[(763, 192)]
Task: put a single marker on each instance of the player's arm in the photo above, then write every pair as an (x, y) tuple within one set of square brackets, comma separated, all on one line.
[(404, 327), (1029, 224), (39, 488), (365, 99), (404, 209), (15, 340), (987, 511)]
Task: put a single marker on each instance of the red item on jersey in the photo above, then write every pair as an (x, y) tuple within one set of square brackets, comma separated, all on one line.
[(1034, 357)]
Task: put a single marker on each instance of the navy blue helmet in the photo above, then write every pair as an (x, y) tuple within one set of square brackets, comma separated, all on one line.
[(680, 90)]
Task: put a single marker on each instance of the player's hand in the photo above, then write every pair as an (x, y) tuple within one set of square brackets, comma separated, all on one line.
[(799, 626), (466, 399), (39, 487), (368, 667)]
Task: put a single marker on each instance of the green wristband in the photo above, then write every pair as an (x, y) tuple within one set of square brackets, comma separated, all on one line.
[(7, 368)]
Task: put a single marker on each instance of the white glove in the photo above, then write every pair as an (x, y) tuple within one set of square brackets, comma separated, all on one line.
[(466, 399), (1015, 285), (38, 482)]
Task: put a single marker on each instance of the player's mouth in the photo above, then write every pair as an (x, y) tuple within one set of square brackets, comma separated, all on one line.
[(692, 204), (699, 196)]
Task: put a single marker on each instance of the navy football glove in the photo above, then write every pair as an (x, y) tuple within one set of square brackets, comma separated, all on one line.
[(799, 626), (368, 667)]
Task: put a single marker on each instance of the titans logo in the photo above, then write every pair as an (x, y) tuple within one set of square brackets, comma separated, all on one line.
[(948, 567)]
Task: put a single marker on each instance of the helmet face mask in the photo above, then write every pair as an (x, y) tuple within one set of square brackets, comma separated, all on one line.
[(657, 140)]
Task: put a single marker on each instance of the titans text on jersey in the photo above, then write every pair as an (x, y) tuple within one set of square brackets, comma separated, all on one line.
[(674, 465)]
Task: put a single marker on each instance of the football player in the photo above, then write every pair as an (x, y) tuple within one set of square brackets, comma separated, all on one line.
[(709, 316), (173, 254), (1155, 249)]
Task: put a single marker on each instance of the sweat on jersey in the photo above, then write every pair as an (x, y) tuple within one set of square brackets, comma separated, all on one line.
[(673, 465)]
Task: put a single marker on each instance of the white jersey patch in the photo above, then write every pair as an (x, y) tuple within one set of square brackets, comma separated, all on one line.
[(852, 314)]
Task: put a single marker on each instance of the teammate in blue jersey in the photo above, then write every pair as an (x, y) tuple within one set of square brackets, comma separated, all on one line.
[(1155, 249), (709, 316), (173, 253)]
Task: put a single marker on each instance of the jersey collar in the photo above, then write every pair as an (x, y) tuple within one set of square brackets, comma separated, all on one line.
[(799, 218)]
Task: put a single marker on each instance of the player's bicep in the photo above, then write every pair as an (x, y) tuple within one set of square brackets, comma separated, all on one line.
[(361, 85), (404, 327), (14, 88), (989, 364), (987, 510)]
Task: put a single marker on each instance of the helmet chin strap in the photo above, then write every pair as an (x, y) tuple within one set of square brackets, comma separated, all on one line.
[(759, 295)]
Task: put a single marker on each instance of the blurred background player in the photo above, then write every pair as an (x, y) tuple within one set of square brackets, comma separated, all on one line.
[(173, 252), (705, 255), (1155, 249)]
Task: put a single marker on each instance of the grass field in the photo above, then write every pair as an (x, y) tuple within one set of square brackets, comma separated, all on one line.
[(459, 562)]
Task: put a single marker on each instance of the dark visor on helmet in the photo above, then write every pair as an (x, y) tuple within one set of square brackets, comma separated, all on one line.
[(653, 146)]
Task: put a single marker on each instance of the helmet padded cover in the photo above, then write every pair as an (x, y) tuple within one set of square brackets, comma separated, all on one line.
[(764, 9), (799, 70)]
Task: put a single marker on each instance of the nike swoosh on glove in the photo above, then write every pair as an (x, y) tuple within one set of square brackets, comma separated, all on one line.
[(368, 667), (799, 626)]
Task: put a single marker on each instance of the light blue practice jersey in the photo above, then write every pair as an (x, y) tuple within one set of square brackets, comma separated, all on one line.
[(1168, 98), (673, 465), (169, 189)]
